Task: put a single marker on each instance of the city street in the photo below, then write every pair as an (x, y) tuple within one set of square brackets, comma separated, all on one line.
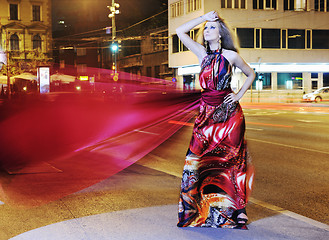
[(99, 100), (288, 145)]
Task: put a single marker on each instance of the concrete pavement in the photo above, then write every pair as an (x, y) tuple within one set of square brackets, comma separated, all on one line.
[(159, 223), (139, 204)]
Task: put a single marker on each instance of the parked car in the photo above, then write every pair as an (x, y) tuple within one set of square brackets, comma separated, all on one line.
[(319, 95)]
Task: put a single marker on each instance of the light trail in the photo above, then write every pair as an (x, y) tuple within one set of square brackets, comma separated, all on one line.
[(252, 123)]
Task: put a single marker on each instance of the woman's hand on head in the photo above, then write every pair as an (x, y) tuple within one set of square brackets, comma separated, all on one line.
[(210, 16)]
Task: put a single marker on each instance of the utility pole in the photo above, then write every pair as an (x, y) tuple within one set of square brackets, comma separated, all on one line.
[(7, 65), (114, 49), (259, 77)]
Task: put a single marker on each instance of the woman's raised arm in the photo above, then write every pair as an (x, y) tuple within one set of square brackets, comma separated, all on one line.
[(182, 31)]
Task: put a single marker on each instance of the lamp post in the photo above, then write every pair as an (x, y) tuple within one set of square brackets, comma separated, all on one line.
[(114, 46), (7, 65), (260, 77)]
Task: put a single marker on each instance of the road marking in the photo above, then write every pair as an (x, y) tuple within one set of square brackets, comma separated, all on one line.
[(255, 129), (309, 121), (290, 214), (285, 145)]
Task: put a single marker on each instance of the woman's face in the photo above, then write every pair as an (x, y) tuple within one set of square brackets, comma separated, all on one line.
[(211, 31)]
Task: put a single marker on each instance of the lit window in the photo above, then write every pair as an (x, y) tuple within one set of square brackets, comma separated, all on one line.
[(289, 81), (177, 9), (193, 5), (321, 5), (262, 81), (233, 4), (294, 5), (264, 4)]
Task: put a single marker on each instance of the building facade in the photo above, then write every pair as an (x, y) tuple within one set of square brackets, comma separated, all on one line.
[(26, 33), (150, 57), (285, 41)]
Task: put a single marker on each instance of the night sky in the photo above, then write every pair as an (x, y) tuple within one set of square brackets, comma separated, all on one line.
[(87, 15)]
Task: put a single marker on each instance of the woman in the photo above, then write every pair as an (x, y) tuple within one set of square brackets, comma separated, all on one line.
[(216, 180)]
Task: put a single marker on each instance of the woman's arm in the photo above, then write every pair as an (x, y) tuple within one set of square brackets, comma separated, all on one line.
[(182, 31), (244, 67)]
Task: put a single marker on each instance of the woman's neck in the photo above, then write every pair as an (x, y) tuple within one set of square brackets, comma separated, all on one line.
[(214, 46)]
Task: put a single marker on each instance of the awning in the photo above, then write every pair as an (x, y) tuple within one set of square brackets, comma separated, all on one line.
[(26, 76)]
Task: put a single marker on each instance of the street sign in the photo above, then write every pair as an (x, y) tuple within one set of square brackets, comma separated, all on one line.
[(44, 79)]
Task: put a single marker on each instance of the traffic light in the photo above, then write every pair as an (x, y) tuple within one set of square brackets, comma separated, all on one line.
[(115, 46)]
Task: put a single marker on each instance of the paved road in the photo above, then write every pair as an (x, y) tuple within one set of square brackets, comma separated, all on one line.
[(288, 147), (290, 152)]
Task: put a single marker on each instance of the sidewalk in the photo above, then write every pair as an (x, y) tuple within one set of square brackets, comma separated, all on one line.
[(139, 203), (160, 223)]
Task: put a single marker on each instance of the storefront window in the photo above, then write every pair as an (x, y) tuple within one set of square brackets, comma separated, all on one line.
[(287, 81), (262, 81), (189, 82), (326, 79)]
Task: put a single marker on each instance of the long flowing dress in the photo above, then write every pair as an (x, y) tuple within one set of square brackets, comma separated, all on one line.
[(217, 175)]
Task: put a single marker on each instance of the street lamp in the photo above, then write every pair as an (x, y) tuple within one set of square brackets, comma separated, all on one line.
[(114, 11)]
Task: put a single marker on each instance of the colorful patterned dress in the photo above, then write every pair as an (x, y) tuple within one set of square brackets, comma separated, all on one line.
[(217, 176)]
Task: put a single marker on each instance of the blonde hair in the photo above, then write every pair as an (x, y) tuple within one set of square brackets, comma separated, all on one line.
[(228, 41)]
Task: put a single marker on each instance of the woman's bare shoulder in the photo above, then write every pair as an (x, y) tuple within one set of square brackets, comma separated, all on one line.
[(230, 55)]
